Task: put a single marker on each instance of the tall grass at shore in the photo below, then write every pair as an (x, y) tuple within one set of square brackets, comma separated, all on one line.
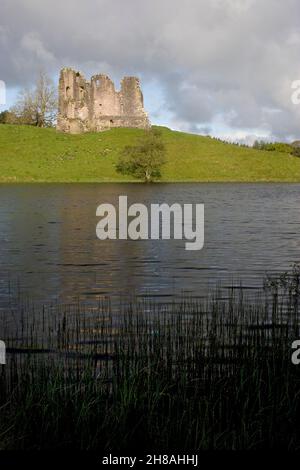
[(192, 375)]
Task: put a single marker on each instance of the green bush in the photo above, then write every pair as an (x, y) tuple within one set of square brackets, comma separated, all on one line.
[(296, 152), (273, 146), (143, 160)]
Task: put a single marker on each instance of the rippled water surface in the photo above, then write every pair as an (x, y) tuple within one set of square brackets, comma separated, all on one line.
[(49, 245)]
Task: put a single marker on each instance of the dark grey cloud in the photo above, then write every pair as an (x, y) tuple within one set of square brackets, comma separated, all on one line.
[(227, 61)]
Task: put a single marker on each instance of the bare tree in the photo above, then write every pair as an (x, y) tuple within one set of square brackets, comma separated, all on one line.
[(38, 106)]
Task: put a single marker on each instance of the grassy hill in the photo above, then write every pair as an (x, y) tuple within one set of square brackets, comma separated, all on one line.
[(29, 154)]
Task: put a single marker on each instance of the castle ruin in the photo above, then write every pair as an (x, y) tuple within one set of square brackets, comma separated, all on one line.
[(95, 105)]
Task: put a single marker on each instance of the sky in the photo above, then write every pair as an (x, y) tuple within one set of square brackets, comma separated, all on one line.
[(218, 67)]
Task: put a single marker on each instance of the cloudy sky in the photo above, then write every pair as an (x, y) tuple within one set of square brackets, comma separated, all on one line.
[(223, 67)]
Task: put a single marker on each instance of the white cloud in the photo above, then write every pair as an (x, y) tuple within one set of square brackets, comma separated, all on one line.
[(32, 44)]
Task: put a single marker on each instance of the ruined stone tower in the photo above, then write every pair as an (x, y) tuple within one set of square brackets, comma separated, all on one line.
[(96, 105)]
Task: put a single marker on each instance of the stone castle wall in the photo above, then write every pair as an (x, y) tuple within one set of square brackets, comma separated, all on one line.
[(95, 105)]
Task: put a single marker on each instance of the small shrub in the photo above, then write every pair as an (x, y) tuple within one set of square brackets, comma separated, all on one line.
[(145, 159), (296, 152), (273, 146)]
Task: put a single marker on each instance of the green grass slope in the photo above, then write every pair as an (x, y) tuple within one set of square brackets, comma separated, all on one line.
[(29, 154)]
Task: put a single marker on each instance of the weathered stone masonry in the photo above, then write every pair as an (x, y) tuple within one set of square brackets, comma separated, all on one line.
[(96, 105)]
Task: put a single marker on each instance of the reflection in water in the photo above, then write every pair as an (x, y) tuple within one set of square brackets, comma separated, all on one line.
[(49, 244)]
